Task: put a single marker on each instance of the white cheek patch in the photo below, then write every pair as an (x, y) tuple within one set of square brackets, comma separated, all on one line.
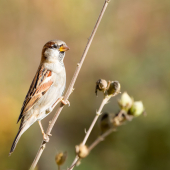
[(52, 55), (55, 53)]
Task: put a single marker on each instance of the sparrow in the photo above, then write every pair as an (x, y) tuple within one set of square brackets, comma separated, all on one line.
[(46, 89)]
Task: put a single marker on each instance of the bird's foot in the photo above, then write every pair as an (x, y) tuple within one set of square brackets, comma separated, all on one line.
[(46, 137), (64, 102)]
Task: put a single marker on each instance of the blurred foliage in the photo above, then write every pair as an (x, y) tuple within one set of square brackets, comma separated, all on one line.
[(131, 46)]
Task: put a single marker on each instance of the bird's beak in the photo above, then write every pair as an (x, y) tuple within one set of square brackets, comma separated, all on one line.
[(64, 48)]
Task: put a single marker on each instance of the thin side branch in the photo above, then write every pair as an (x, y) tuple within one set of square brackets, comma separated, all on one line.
[(100, 139), (70, 88)]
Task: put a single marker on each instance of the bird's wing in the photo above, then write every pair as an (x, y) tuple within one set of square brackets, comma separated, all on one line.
[(39, 86)]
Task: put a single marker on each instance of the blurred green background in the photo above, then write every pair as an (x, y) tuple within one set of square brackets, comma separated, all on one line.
[(132, 45)]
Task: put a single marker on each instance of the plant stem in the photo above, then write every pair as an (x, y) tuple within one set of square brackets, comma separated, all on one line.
[(109, 131), (70, 88), (98, 113), (96, 142), (105, 100), (100, 139)]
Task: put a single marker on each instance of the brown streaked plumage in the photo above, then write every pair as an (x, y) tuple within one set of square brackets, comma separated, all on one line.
[(37, 89), (46, 88)]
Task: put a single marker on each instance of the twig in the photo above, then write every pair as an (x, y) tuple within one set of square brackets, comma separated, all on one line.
[(105, 100), (73, 165), (100, 139), (118, 119), (98, 113), (70, 88)]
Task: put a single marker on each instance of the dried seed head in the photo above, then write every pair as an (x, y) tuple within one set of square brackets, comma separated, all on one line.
[(121, 117), (105, 122), (60, 158), (82, 150), (125, 101), (118, 120), (101, 85), (114, 88), (136, 109)]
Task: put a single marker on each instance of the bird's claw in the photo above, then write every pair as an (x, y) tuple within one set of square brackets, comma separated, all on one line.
[(49, 134), (46, 137), (65, 102)]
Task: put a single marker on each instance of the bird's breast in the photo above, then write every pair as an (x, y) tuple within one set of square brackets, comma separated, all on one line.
[(54, 92)]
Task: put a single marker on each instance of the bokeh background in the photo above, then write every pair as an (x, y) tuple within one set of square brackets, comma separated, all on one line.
[(132, 45)]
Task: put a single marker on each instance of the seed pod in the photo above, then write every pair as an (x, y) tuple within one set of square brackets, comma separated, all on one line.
[(136, 109), (113, 88), (82, 150), (60, 158), (105, 122), (125, 101), (101, 85)]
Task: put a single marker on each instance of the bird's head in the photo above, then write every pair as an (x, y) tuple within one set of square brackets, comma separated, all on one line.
[(54, 51)]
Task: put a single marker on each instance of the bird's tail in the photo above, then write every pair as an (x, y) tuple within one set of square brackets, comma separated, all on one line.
[(20, 132), (24, 125)]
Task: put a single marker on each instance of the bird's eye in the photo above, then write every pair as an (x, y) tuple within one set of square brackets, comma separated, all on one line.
[(54, 46)]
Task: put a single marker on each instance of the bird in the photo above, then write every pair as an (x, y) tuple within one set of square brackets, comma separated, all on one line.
[(46, 89)]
